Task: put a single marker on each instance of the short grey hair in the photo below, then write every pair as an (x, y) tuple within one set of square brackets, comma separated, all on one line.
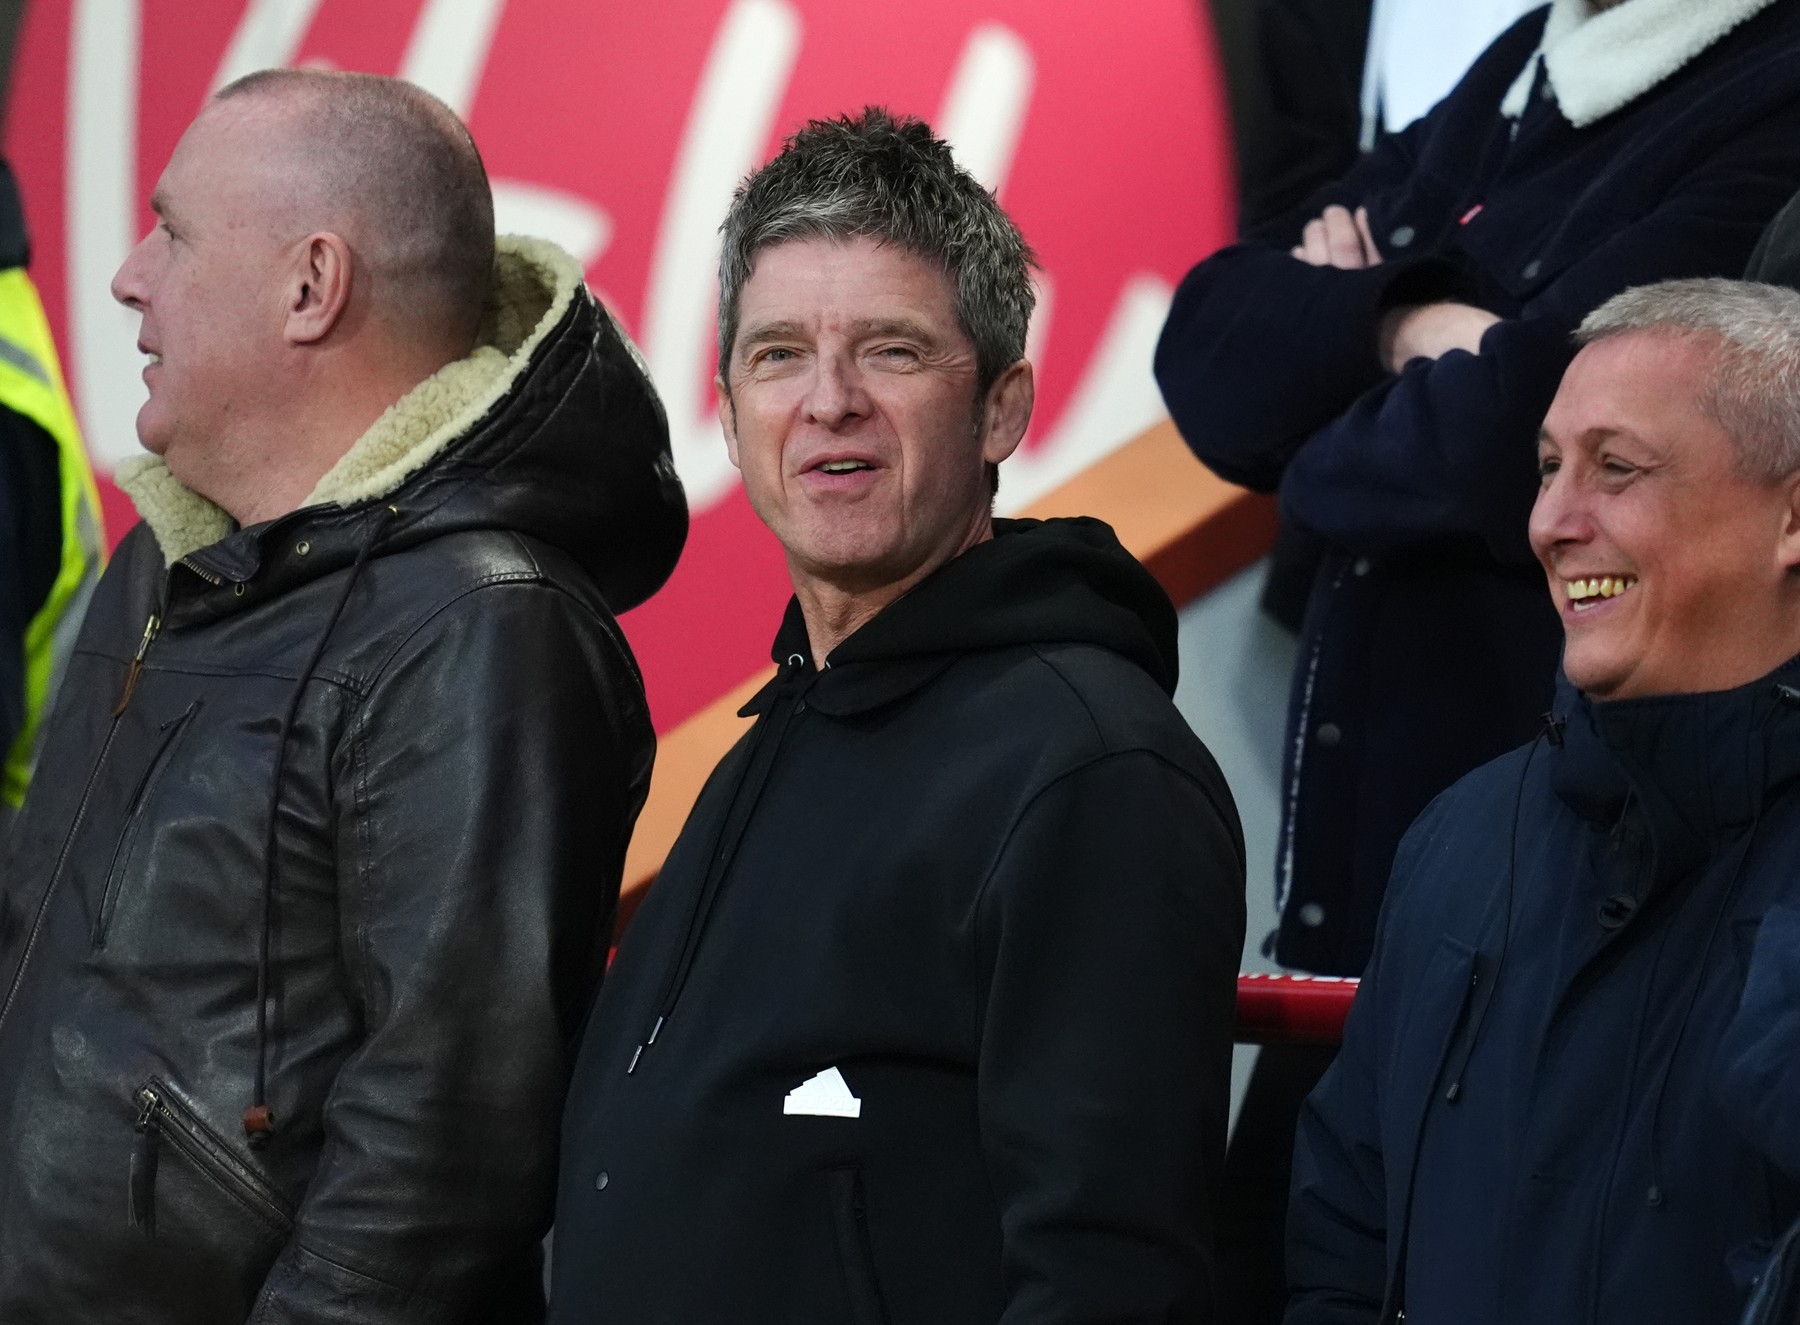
[(405, 162), (879, 177), (1753, 392)]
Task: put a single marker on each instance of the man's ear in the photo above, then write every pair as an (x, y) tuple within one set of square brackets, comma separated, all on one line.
[(727, 418), (1007, 412), (319, 289), (1787, 550)]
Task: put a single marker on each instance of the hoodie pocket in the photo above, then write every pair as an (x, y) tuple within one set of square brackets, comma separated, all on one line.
[(856, 1255), (164, 1122), (169, 739)]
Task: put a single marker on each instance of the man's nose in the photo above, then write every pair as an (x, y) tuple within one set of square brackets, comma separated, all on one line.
[(1560, 514), (127, 281), (836, 395)]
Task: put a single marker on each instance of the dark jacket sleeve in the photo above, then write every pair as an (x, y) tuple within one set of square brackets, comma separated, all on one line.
[(1113, 924), (1338, 1207), (1446, 448), (30, 548), (486, 794), (1337, 1213), (1759, 1055), (1261, 350)]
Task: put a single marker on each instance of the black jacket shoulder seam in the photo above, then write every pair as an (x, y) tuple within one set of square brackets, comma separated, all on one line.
[(1074, 770)]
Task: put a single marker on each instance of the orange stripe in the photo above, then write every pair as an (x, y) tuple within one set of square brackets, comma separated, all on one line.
[(1191, 529)]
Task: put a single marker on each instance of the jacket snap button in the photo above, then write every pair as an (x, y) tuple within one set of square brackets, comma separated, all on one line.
[(601, 1180), (1329, 734), (1531, 269), (238, 589), (303, 547), (1402, 236), (1617, 909), (1361, 567), (1312, 915)]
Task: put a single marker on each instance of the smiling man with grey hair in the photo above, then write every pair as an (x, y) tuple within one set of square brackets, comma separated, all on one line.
[(1569, 1085), (928, 1016)]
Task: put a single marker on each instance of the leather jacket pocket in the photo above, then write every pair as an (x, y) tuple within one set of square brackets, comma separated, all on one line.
[(850, 1218), (169, 738), (164, 1122)]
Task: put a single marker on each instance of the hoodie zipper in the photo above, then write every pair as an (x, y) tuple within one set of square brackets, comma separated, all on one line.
[(765, 748), (160, 1117), (151, 628)]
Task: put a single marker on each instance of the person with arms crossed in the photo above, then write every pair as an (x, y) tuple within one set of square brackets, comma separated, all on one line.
[(928, 1017), (317, 873), (1568, 1086)]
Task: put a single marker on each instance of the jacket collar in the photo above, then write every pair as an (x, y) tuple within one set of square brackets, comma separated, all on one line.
[(1598, 62), (534, 283), (1700, 768)]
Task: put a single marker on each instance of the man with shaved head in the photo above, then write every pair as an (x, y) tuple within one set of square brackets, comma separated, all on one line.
[(317, 874)]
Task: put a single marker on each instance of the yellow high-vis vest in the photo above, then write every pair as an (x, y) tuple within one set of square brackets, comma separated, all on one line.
[(31, 384)]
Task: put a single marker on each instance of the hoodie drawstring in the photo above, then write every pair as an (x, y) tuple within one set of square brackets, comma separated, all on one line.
[(259, 1121), (765, 745)]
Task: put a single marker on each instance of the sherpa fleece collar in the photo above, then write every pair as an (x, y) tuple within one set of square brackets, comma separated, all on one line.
[(534, 281), (1599, 62)]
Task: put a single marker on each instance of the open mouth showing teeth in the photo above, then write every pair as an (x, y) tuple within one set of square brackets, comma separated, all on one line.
[(844, 466), (1584, 594)]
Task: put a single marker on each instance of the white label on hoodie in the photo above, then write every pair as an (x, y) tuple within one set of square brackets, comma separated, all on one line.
[(824, 1096)]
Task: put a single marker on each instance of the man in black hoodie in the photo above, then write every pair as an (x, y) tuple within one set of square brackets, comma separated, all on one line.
[(928, 1018)]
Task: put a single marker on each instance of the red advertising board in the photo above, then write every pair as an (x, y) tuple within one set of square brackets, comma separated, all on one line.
[(620, 129)]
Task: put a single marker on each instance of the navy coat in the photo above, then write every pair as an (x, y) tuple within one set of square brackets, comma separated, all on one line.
[(1569, 1089), (1430, 644)]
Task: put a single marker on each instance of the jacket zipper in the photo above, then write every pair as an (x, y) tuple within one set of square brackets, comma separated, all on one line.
[(202, 572), (151, 627), (161, 1116), (172, 731), (1290, 818)]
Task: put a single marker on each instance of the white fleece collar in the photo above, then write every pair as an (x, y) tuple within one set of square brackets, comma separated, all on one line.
[(534, 281), (1599, 62)]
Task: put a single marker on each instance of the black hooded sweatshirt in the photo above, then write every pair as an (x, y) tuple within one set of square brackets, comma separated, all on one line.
[(977, 884)]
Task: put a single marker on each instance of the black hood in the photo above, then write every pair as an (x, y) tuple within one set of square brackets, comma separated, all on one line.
[(1065, 581), (551, 429)]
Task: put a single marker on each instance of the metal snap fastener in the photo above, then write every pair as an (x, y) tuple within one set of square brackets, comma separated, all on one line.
[(1361, 567), (795, 660), (1329, 733), (238, 589), (1531, 269), (601, 1180), (1312, 915), (1402, 236), (303, 547), (1616, 910)]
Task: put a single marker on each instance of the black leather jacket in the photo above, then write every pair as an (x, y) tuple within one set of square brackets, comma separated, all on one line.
[(330, 821)]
